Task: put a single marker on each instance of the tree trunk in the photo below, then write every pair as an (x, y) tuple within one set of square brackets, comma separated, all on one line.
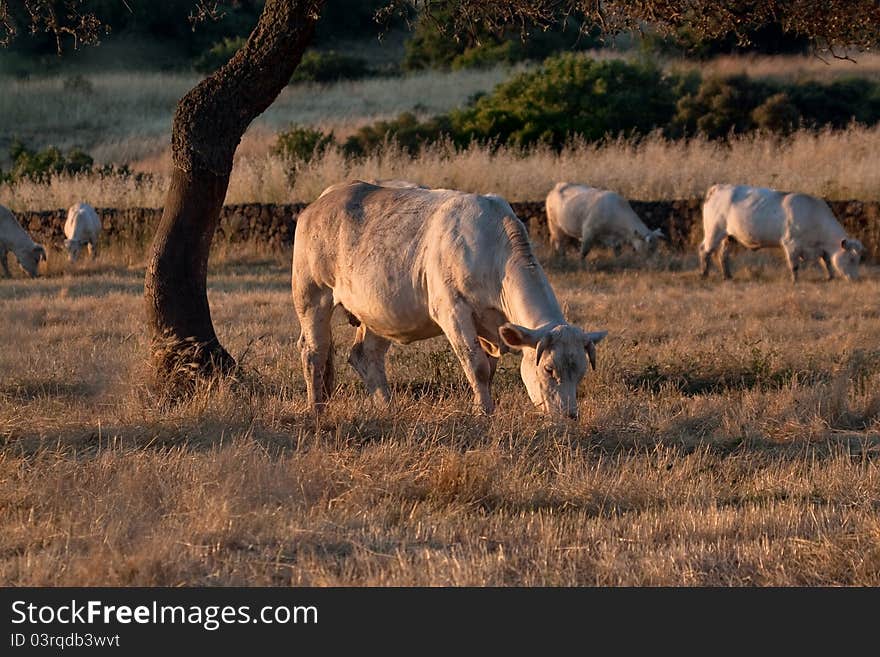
[(208, 125)]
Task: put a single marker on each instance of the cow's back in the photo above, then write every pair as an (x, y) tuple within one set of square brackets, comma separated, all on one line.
[(575, 205), (385, 251), (82, 222), (754, 216)]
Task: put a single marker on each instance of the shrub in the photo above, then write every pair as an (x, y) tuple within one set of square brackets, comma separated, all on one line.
[(329, 66), (838, 103), (300, 144), (40, 166), (569, 95), (218, 54), (720, 106), (79, 84), (777, 114), (487, 55), (406, 131)]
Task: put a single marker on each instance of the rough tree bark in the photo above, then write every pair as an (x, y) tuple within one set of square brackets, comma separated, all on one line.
[(208, 125)]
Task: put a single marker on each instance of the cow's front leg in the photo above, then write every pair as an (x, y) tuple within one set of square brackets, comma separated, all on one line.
[(825, 263), (588, 239), (457, 321), (367, 357), (4, 265)]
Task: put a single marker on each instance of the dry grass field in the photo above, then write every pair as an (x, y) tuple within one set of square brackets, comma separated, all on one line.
[(832, 164), (731, 436)]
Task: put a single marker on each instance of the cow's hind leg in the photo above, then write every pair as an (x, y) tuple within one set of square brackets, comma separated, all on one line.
[(724, 259), (557, 239), (457, 322), (793, 257), (314, 306), (710, 244), (367, 357)]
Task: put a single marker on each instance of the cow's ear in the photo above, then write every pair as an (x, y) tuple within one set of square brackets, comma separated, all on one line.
[(489, 347), (517, 337), (590, 341)]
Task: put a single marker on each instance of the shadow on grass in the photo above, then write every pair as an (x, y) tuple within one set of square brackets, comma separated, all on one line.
[(34, 390), (691, 384)]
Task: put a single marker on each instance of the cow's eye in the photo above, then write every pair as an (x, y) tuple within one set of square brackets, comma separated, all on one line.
[(548, 369)]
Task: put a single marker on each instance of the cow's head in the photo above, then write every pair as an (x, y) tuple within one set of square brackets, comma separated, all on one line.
[(648, 242), (554, 362), (73, 248), (846, 258), (30, 258)]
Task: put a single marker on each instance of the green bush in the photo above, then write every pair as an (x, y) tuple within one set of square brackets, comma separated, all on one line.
[(42, 165), (218, 54), (770, 39), (487, 55), (570, 95), (79, 84), (300, 144), (329, 66), (838, 103), (720, 106), (776, 114), (406, 131)]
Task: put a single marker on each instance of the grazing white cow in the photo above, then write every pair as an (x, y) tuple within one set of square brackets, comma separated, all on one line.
[(83, 227), (756, 217), (411, 263), (16, 239), (595, 216)]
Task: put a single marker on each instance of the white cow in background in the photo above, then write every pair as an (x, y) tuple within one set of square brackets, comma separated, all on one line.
[(595, 216), (409, 264), (756, 217), (83, 227), (16, 239)]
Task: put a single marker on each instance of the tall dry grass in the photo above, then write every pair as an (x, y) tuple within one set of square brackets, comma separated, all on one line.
[(724, 440), (834, 165), (823, 67)]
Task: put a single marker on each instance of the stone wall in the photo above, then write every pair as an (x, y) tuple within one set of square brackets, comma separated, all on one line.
[(272, 224)]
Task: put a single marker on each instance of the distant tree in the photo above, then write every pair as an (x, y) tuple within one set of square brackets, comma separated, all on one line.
[(211, 119)]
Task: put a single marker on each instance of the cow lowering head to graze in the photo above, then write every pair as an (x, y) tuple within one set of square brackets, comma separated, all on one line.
[(82, 228), (595, 216), (756, 217), (15, 238), (410, 263)]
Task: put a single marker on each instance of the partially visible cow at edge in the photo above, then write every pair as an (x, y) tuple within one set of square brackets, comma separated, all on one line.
[(82, 228), (16, 239), (595, 216), (756, 217), (408, 264)]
